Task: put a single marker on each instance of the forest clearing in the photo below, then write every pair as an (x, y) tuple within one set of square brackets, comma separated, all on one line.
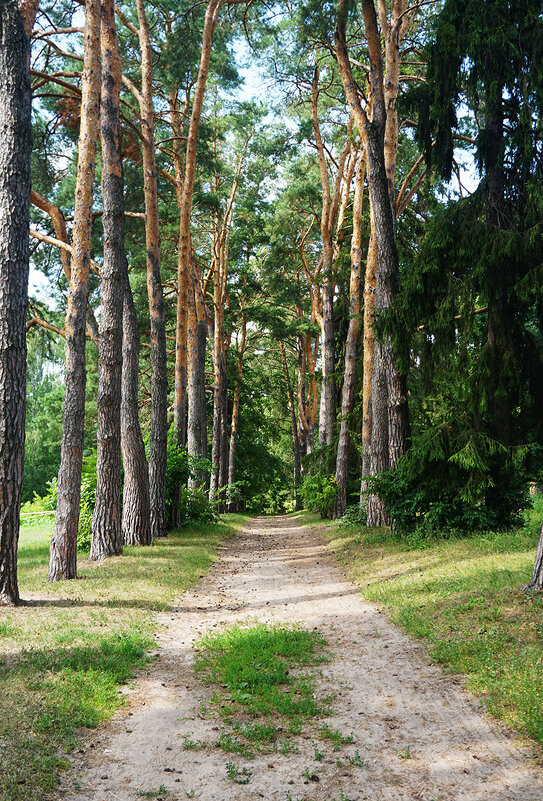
[(271, 309)]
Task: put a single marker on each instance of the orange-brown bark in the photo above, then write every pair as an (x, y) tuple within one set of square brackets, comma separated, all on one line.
[(62, 564)]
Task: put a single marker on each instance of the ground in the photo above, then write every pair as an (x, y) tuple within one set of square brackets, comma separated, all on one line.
[(416, 733)]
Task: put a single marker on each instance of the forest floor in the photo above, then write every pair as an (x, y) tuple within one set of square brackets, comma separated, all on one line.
[(391, 725)]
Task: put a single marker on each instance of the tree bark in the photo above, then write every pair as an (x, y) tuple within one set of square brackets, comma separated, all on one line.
[(15, 149), (235, 406), (389, 390), (327, 406), (347, 396), (188, 329), (136, 523), (106, 532), (293, 428), (370, 282), (196, 351), (158, 435), (63, 556), (536, 582)]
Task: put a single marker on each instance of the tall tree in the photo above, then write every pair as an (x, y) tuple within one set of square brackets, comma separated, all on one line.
[(16, 21), (192, 329), (136, 524), (158, 433), (390, 419), (63, 557), (106, 538), (347, 395)]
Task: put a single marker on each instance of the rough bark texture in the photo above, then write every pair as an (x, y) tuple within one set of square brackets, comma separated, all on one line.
[(136, 523), (536, 583), (106, 533), (235, 406), (15, 148), (196, 350), (180, 380), (158, 434), (389, 391), (347, 395), (370, 281), (188, 328), (62, 563), (293, 428), (327, 405)]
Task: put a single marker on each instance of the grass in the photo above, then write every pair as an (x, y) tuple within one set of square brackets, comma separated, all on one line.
[(265, 684), (463, 596), (64, 656)]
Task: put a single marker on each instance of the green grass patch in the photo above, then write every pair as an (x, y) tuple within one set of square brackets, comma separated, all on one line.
[(64, 655), (265, 683), (462, 595)]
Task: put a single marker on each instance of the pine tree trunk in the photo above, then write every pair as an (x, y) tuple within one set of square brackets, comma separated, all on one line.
[(195, 332), (370, 281), (389, 390), (235, 408), (223, 449), (106, 534), (379, 450), (347, 398), (219, 378), (158, 434), (15, 149), (196, 354), (293, 429), (327, 401), (328, 361), (136, 523), (63, 556), (536, 582), (219, 459)]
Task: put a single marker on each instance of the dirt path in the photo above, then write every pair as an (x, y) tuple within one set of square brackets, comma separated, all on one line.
[(392, 701)]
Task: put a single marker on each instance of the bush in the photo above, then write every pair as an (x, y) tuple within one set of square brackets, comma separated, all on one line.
[(39, 511), (185, 505), (48, 503), (195, 506), (439, 497), (319, 492), (355, 515)]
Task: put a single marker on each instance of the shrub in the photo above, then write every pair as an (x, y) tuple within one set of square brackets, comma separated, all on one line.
[(445, 496), (40, 510), (355, 515), (319, 492)]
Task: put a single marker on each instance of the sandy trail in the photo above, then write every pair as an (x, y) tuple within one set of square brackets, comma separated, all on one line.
[(388, 697)]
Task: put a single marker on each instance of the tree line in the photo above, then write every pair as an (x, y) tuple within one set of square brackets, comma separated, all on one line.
[(300, 284)]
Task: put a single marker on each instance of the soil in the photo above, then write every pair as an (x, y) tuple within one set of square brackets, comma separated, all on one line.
[(419, 734)]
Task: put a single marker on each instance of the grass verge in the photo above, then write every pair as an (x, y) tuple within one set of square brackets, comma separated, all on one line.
[(461, 595), (63, 656)]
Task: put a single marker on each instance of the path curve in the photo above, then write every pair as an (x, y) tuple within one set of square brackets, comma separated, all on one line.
[(390, 698)]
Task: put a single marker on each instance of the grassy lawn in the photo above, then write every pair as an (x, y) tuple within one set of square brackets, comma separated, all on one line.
[(63, 657), (463, 597)]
